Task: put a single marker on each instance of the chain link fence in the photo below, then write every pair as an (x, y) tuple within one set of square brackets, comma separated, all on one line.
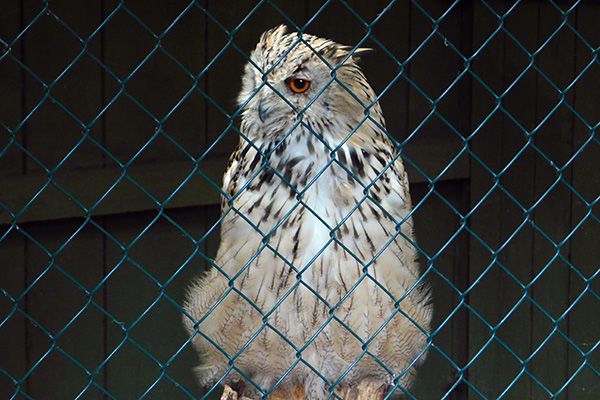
[(116, 122)]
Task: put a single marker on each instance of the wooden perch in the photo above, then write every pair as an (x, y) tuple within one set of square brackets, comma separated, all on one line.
[(230, 394), (361, 391)]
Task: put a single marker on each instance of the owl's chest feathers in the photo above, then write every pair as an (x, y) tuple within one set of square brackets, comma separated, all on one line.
[(299, 208), (296, 181), (302, 169)]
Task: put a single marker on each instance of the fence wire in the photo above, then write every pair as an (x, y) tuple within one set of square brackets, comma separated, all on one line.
[(116, 121)]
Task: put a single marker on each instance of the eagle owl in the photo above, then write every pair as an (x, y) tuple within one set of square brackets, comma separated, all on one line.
[(315, 286)]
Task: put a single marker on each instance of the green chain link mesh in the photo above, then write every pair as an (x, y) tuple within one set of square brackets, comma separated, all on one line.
[(116, 120)]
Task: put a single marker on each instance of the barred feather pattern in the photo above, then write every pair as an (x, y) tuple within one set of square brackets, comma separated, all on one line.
[(315, 280)]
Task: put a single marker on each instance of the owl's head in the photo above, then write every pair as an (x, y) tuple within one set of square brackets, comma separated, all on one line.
[(293, 76)]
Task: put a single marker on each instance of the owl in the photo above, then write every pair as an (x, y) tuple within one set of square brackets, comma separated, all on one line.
[(315, 286)]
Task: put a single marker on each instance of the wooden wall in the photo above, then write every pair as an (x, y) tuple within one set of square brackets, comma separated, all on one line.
[(114, 133)]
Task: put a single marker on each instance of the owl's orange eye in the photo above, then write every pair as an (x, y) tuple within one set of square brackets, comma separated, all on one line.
[(298, 85)]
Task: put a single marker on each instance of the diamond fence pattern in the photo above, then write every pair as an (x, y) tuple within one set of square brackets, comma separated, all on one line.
[(116, 120)]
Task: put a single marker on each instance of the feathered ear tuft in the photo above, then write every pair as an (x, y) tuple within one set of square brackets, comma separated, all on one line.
[(339, 53), (359, 52), (272, 36), (362, 50)]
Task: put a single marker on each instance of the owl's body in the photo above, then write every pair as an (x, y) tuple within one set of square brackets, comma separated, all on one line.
[(316, 269)]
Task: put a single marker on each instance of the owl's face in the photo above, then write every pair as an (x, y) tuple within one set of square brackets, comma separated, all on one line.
[(287, 93), (291, 78)]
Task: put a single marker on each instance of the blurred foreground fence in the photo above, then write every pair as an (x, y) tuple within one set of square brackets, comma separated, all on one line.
[(115, 127)]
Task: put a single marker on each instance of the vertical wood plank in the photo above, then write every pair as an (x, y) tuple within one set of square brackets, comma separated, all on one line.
[(197, 222), (583, 320), (500, 263), (13, 330), (61, 85), (518, 180), (435, 226), (552, 141), (442, 58), (485, 206), (136, 359), (66, 332), (11, 95)]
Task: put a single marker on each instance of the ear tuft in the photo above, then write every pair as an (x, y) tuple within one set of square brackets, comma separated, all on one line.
[(272, 36)]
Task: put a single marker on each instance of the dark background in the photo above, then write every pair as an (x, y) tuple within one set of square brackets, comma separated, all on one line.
[(115, 128)]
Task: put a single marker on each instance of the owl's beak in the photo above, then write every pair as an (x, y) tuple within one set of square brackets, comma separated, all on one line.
[(263, 110)]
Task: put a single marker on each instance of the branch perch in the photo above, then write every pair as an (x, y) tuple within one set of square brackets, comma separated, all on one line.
[(361, 391)]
